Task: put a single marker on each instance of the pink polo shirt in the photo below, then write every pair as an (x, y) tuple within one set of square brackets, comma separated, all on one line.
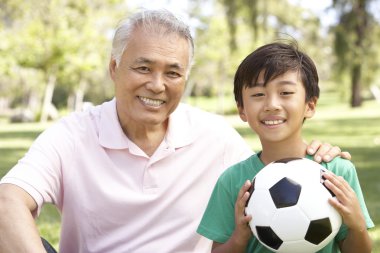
[(112, 196)]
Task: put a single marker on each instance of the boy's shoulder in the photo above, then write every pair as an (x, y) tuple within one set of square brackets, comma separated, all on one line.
[(248, 167), (340, 166)]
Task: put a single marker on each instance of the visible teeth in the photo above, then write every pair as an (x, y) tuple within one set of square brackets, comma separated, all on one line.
[(273, 122), (151, 102)]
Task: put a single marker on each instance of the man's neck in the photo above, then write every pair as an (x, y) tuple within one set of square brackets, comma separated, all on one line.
[(147, 138)]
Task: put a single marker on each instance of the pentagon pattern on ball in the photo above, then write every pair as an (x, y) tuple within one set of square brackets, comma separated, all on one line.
[(285, 193), (269, 237), (318, 231)]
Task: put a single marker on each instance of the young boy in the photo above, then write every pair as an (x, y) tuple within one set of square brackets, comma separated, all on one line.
[(276, 89)]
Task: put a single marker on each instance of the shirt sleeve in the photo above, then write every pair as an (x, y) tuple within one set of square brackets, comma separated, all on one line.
[(39, 171), (218, 222)]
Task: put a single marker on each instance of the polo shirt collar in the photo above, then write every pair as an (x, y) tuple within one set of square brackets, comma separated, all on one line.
[(180, 130), (111, 134)]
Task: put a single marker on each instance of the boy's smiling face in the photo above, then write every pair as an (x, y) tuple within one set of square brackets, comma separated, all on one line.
[(277, 110)]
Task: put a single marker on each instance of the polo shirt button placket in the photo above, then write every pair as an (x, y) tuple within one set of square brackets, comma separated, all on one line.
[(149, 184)]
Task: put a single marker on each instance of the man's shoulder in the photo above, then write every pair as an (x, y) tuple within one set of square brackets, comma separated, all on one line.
[(201, 116), (195, 110), (81, 121)]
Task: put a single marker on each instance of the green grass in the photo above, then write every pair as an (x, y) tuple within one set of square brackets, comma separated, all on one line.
[(354, 130)]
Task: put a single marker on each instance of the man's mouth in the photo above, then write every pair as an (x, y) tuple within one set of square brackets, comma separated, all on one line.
[(151, 102)]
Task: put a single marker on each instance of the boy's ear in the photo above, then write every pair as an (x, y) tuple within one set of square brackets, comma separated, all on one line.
[(311, 107), (242, 113)]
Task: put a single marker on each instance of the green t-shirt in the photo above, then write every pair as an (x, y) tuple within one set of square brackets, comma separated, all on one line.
[(218, 222)]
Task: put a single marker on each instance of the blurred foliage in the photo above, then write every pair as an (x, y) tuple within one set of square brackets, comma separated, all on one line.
[(68, 42), (355, 33), (354, 36)]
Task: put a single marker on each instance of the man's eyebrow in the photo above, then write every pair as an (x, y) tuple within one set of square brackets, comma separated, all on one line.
[(143, 60), (177, 66)]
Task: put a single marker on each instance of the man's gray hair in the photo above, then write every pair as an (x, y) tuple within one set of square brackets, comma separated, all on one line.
[(150, 20)]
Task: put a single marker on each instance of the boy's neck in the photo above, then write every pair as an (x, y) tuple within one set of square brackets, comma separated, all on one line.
[(275, 151)]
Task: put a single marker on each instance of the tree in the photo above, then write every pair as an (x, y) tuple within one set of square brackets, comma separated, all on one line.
[(352, 42), (62, 42)]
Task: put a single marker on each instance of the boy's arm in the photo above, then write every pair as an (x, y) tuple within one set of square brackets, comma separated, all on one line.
[(347, 204), (238, 241), (17, 226), (356, 241)]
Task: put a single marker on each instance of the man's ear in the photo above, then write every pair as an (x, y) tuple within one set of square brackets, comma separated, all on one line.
[(311, 107), (241, 112), (112, 68)]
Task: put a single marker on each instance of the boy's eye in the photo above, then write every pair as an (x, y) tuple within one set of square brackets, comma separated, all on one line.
[(285, 93), (257, 94)]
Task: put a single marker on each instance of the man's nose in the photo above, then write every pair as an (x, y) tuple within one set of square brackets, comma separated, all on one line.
[(157, 83)]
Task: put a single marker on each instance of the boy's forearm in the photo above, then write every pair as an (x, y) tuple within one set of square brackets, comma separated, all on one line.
[(357, 241), (228, 247)]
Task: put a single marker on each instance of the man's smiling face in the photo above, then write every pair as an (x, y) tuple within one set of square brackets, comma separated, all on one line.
[(150, 78)]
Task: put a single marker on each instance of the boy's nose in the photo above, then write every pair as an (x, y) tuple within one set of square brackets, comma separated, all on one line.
[(272, 103)]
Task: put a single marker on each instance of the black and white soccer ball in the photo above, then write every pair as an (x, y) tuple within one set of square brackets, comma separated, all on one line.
[(290, 209)]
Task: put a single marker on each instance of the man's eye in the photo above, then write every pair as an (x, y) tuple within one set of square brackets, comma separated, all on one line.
[(173, 74), (142, 69)]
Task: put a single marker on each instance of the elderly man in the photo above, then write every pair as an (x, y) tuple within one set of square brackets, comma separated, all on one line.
[(135, 173)]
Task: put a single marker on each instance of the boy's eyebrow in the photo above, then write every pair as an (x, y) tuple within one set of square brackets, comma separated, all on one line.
[(283, 82), (175, 65), (287, 82)]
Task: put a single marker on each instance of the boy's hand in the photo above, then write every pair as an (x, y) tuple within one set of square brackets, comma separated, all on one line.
[(346, 202), (325, 152), (242, 232)]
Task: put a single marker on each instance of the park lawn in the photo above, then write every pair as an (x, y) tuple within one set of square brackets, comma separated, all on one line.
[(354, 130)]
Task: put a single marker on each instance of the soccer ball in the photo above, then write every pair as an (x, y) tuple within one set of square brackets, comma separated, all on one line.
[(290, 209)]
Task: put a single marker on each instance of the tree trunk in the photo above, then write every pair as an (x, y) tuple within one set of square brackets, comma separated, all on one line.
[(356, 98), (360, 28), (49, 90), (79, 95)]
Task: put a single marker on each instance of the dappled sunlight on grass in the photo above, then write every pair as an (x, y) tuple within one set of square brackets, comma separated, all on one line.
[(49, 224), (375, 236)]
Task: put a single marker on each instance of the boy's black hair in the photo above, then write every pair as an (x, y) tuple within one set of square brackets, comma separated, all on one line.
[(276, 59)]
